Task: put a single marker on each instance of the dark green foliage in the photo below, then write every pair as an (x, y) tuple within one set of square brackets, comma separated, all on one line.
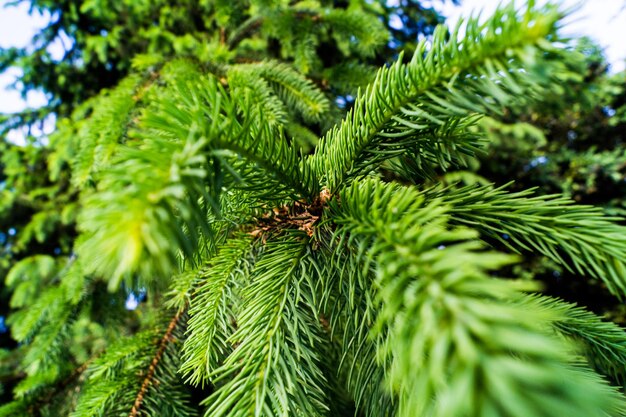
[(281, 283)]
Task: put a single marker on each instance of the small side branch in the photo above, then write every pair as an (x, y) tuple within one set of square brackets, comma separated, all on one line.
[(253, 24), (165, 340), (246, 29), (60, 387)]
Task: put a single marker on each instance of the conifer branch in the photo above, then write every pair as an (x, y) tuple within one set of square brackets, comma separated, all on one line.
[(99, 137), (149, 378), (242, 32), (254, 23), (273, 365), (436, 298), (602, 343), (60, 387), (296, 91), (448, 83), (304, 286), (193, 149), (211, 307), (351, 276), (579, 237)]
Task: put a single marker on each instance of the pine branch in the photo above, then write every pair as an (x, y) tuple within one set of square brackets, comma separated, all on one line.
[(27, 322), (602, 343), (273, 369), (243, 80), (296, 91), (449, 82), (61, 386), (579, 237), (458, 340), (36, 404), (248, 27), (347, 297), (321, 287), (356, 31), (348, 77), (194, 141), (138, 374), (209, 325), (254, 23), (366, 377), (156, 188), (98, 136), (148, 380)]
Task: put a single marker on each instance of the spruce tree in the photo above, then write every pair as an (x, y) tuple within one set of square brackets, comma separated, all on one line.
[(289, 275)]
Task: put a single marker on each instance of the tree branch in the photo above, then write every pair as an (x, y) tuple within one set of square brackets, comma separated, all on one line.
[(167, 337), (248, 27)]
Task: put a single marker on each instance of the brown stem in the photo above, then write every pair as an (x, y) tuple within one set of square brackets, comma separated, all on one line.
[(167, 337)]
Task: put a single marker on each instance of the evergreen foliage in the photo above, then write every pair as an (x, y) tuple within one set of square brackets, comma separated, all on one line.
[(281, 283), (90, 45), (570, 143)]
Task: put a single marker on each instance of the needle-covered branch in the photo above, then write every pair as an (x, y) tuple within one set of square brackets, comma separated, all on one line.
[(445, 84), (579, 237)]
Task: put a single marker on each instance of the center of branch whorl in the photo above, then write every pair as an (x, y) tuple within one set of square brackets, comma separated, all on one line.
[(299, 215)]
